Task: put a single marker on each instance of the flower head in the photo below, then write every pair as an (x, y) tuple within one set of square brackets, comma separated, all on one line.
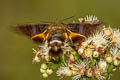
[(102, 66), (81, 66), (89, 19), (98, 74), (116, 37), (108, 32), (98, 39), (63, 70), (88, 52), (115, 52)]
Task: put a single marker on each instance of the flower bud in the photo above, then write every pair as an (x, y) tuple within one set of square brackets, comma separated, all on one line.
[(47, 58), (36, 59), (95, 54), (42, 70), (109, 59), (88, 52), (108, 32), (45, 75), (43, 66), (49, 71), (116, 62), (80, 51)]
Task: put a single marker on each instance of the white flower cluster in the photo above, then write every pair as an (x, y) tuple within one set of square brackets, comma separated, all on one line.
[(64, 70), (96, 54), (94, 58), (89, 19), (99, 39), (42, 53)]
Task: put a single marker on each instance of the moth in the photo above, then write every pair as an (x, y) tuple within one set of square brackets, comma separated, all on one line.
[(57, 32)]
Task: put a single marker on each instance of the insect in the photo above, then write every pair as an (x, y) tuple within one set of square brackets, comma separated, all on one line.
[(57, 32)]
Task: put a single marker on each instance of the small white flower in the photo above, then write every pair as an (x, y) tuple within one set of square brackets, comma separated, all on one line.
[(115, 52), (81, 66), (42, 70), (108, 32), (81, 69), (99, 39), (43, 66), (36, 59), (116, 62), (47, 58), (49, 71), (45, 75), (102, 66), (98, 74), (45, 47), (89, 19), (96, 54), (80, 51), (63, 70), (88, 52), (116, 37), (109, 59)]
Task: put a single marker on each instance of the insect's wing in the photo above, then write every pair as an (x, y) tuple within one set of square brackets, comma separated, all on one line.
[(79, 31), (85, 29), (31, 30)]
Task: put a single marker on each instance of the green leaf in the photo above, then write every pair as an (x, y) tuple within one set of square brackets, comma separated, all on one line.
[(54, 66), (110, 68), (94, 61), (76, 57), (106, 76), (62, 58)]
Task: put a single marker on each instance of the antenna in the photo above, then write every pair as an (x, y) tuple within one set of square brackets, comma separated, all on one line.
[(67, 18), (57, 19)]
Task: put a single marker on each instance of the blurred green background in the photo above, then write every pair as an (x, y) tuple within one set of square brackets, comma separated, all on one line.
[(15, 50)]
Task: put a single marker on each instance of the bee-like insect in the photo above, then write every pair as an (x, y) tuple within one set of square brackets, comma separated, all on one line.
[(57, 32)]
